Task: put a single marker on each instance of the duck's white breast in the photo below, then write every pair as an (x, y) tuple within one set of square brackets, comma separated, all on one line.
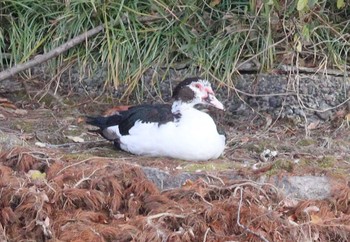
[(193, 137)]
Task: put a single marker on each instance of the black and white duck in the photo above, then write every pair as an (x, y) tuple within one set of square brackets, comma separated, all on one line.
[(179, 130)]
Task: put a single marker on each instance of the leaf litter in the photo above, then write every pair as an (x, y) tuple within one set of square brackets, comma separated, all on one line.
[(101, 199)]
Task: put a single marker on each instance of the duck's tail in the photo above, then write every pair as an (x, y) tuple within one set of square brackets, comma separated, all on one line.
[(98, 121), (103, 123)]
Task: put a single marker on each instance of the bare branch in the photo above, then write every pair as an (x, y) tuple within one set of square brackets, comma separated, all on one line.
[(333, 72), (66, 46), (51, 54)]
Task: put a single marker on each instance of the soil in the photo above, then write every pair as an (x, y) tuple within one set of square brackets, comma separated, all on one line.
[(278, 180)]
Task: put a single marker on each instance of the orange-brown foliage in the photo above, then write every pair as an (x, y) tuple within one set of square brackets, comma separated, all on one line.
[(104, 200)]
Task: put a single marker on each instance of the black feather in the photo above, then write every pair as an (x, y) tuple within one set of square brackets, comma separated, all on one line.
[(104, 122), (158, 113), (181, 91)]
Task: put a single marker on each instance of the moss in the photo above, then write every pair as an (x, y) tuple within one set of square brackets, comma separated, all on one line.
[(307, 162), (327, 162), (27, 127), (76, 156), (306, 142), (258, 148), (285, 148), (49, 100), (286, 165), (193, 167), (74, 132), (253, 148)]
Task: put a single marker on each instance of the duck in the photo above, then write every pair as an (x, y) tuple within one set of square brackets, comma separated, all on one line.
[(179, 130)]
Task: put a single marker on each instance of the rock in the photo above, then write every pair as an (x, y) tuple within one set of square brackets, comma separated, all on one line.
[(314, 91), (8, 141), (269, 92), (296, 187), (165, 181), (325, 116), (304, 187)]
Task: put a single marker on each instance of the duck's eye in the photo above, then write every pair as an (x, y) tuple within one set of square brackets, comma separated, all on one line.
[(198, 85)]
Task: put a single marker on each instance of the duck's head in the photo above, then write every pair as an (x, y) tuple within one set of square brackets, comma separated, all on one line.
[(196, 91)]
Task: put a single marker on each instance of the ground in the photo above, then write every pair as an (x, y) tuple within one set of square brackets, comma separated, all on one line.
[(275, 181)]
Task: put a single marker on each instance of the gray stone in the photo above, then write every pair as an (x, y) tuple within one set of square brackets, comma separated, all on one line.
[(304, 187), (297, 187), (165, 181), (316, 92), (312, 91), (8, 141)]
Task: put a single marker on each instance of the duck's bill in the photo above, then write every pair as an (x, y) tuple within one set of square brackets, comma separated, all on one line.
[(213, 101)]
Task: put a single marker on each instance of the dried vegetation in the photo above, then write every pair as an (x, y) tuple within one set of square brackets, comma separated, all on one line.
[(101, 199)]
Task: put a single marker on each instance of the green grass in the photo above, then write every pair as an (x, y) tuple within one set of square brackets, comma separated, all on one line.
[(215, 36)]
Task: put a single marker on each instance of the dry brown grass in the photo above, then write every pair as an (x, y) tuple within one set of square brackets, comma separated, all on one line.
[(106, 200)]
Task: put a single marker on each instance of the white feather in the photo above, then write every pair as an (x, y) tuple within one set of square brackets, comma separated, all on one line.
[(193, 137)]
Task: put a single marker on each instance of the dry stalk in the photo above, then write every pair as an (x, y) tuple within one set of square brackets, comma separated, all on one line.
[(202, 198), (239, 218), (49, 186), (160, 232), (288, 68), (88, 177), (216, 178), (80, 162), (158, 215), (245, 183), (206, 234), (2, 234)]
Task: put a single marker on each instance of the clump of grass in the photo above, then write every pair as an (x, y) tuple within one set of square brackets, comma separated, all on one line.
[(306, 142), (216, 36), (281, 165), (327, 162)]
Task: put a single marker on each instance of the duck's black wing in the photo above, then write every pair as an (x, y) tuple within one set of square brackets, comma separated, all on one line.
[(158, 113)]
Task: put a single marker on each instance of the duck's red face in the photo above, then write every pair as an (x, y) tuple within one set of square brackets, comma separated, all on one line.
[(205, 94)]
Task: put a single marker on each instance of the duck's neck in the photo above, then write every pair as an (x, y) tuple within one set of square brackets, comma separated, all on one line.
[(179, 106)]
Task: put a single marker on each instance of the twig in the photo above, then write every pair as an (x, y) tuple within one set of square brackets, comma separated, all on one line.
[(88, 177), (49, 186), (244, 43), (261, 95), (206, 234), (202, 198), (216, 178), (80, 162), (287, 68), (73, 144), (341, 36), (239, 218), (243, 183), (3, 236), (51, 54), (161, 233), (264, 50), (158, 215)]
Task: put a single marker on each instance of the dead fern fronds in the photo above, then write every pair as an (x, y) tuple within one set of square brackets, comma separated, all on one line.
[(111, 187), (141, 188), (8, 216), (73, 198), (341, 195)]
